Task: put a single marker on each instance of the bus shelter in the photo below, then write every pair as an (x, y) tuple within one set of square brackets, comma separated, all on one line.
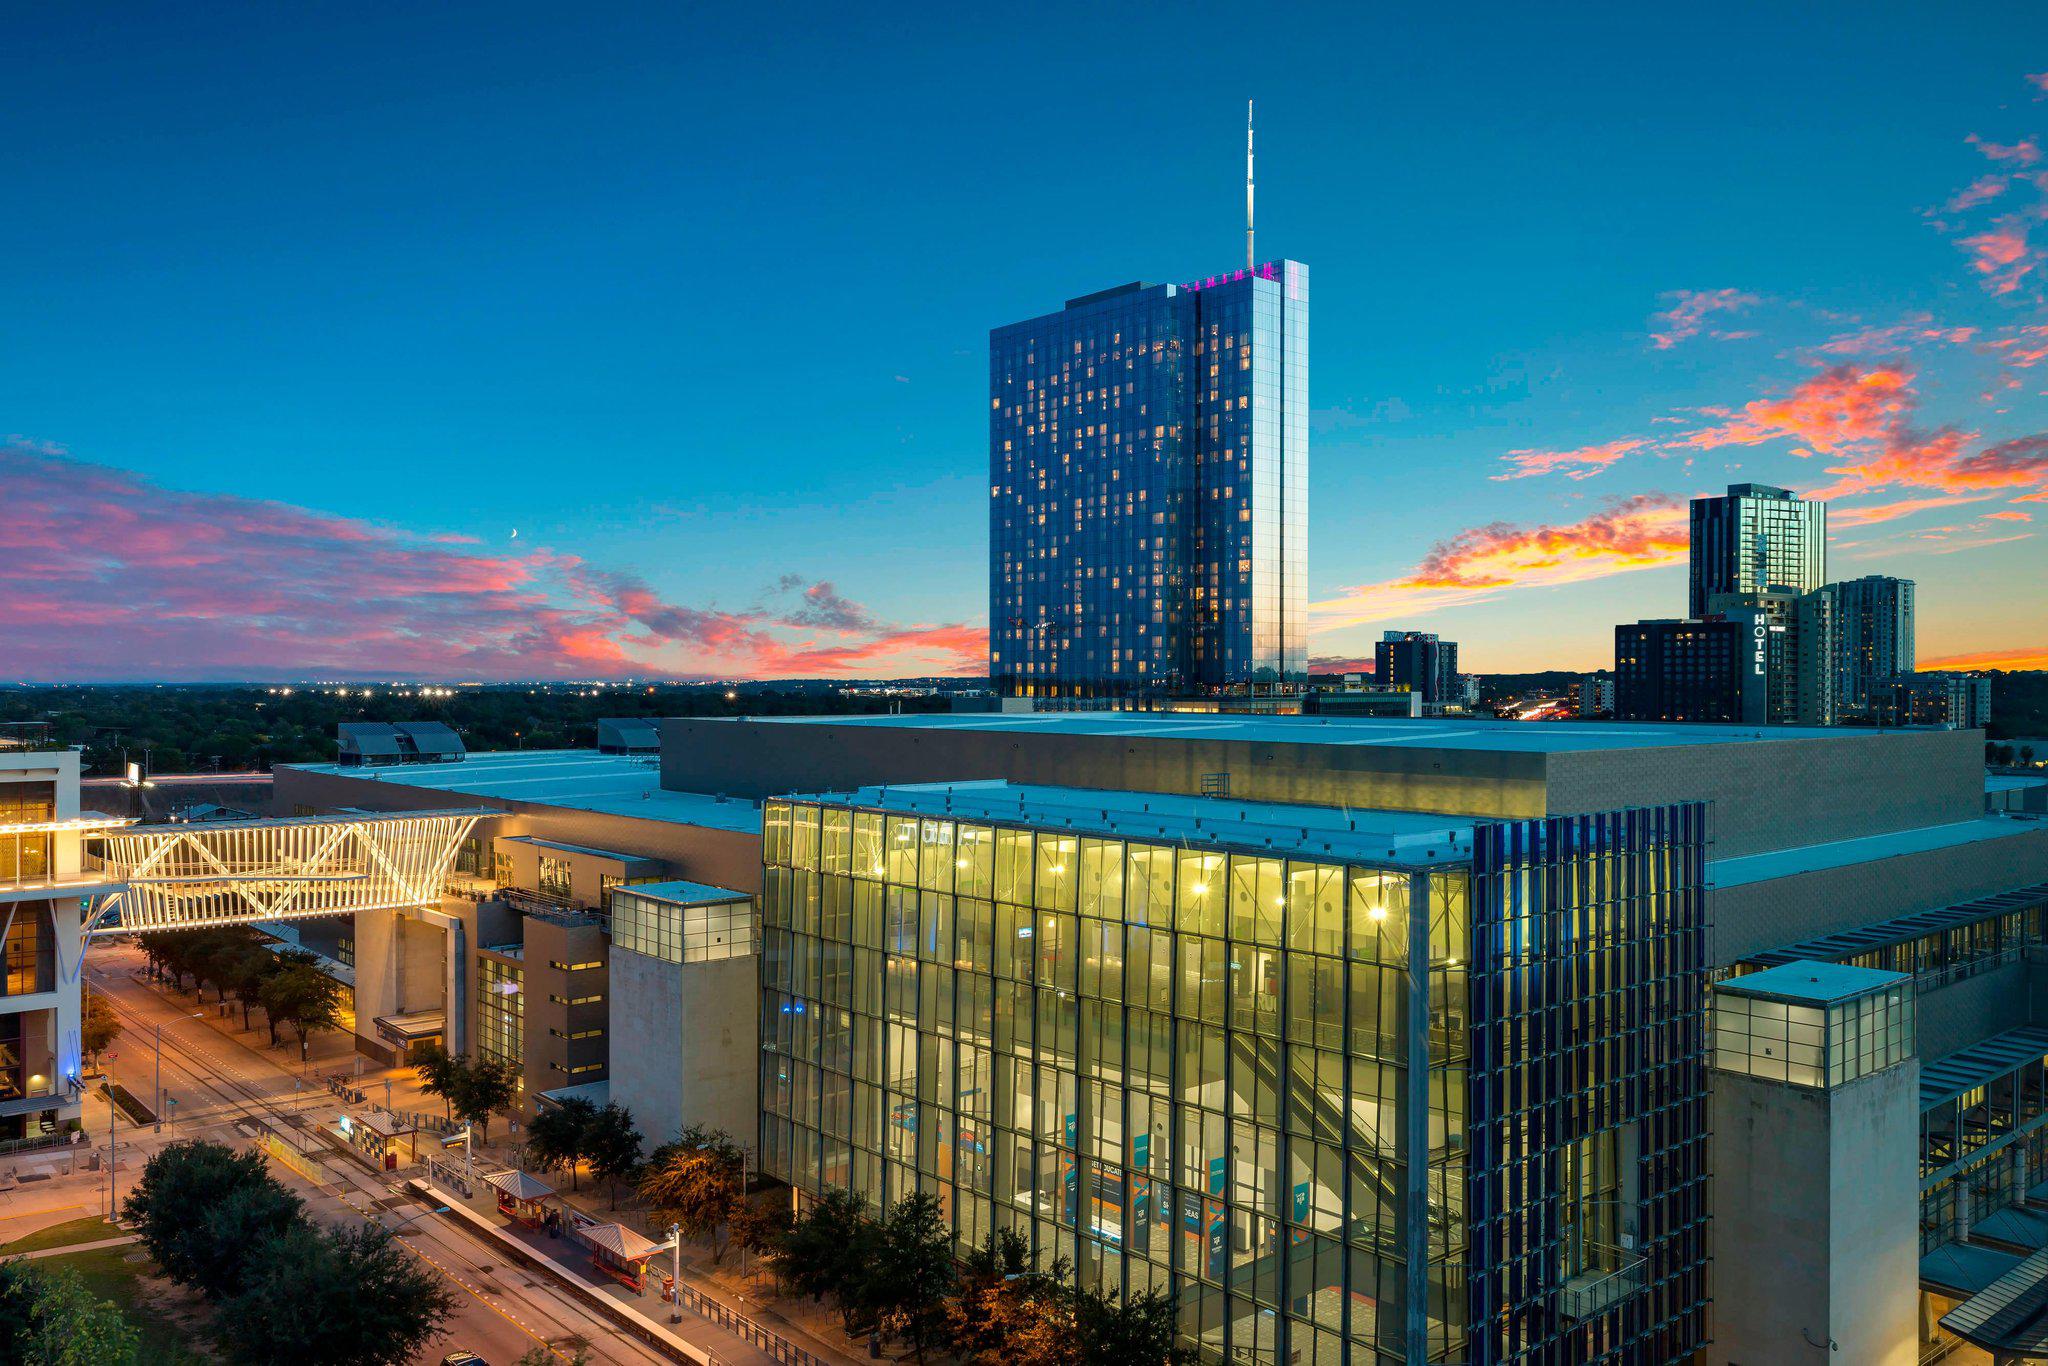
[(620, 1253), (521, 1198)]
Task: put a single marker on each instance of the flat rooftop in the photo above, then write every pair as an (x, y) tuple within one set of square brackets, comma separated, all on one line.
[(576, 779), (1528, 737), (1811, 983), (1814, 858), (685, 893), (1332, 832)]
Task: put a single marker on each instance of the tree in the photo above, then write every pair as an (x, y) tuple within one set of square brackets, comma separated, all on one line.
[(251, 968), (1008, 1313), (759, 1228), (558, 1135), (912, 1272), (1139, 1331), (697, 1187), (301, 994), (173, 1207), (98, 1025), (826, 1249), (470, 1090), (437, 1073), (246, 1219), (49, 1318), (612, 1146), (485, 1086), (350, 1296)]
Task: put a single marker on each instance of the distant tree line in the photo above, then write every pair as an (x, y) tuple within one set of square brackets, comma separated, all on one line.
[(201, 729)]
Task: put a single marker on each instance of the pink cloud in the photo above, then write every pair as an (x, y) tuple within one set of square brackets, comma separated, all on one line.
[(2025, 348), (2025, 152), (180, 585), (2009, 515), (1896, 338), (1689, 310), (1582, 463), (1982, 190), (2001, 254)]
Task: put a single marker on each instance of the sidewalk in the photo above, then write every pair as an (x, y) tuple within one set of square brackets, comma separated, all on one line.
[(70, 1248)]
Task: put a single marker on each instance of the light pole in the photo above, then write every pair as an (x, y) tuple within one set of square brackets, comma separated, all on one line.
[(675, 1309)]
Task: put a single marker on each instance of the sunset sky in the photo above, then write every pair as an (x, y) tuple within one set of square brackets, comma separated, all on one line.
[(518, 341)]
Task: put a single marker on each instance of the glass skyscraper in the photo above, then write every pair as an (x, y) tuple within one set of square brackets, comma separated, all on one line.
[(1356, 1088), (1148, 485), (1755, 538), (1874, 640)]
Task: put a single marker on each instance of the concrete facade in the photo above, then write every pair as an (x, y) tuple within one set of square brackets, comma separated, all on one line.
[(1816, 1198), (685, 1052), (39, 931)]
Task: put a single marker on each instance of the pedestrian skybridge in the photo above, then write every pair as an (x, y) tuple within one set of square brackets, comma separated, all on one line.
[(184, 877)]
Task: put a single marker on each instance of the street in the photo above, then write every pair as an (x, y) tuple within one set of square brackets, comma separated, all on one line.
[(224, 1083)]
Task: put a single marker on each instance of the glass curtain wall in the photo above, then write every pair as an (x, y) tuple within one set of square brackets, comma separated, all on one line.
[(1176, 1067), (1587, 1172)]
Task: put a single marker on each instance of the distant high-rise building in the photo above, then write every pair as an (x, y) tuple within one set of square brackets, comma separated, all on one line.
[(1148, 490), (1419, 662), (1753, 539), (1958, 701), (1875, 637), (1710, 670), (1792, 642)]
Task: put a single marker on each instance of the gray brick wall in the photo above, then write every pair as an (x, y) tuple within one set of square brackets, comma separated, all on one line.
[(1787, 910)]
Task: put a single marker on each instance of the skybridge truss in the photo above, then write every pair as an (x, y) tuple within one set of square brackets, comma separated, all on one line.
[(182, 877)]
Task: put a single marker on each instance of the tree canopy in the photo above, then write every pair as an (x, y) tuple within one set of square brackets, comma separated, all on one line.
[(49, 1318)]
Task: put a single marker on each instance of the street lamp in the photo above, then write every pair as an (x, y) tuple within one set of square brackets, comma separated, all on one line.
[(675, 1309)]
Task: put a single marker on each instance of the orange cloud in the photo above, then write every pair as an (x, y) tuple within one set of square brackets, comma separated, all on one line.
[(2009, 515), (2025, 657), (1582, 463), (1942, 460), (1838, 407), (1642, 532), (2025, 152), (1689, 310)]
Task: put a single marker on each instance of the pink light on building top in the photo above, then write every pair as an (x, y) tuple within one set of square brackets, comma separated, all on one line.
[(1269, 271)]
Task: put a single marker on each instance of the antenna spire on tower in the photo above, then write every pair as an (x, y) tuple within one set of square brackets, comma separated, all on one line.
[(1251, 261)]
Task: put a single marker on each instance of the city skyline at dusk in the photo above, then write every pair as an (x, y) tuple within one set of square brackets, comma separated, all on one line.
[(353, 346)]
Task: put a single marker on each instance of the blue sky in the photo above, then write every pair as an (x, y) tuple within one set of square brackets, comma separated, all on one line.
[(698, 300)]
